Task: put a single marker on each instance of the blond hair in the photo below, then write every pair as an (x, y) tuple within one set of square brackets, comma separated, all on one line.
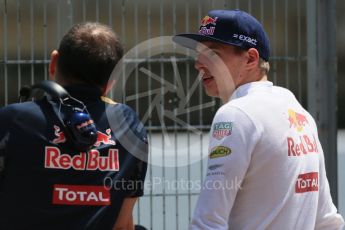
[(264, 66)]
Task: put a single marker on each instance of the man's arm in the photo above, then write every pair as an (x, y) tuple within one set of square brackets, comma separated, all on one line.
[(125, 218), (233, 137), (327, 216), (138, 150)]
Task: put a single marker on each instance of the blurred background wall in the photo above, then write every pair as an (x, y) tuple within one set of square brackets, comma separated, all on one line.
[(31, 29)]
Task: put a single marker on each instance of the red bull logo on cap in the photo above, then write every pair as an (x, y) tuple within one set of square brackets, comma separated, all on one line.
[(206, 21), (297, 120)]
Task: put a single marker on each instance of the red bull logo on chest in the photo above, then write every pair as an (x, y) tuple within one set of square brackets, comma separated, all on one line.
[(90, 161), (102, 138)]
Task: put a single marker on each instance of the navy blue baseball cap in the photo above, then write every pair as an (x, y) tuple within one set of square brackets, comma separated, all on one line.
[(233, 27)]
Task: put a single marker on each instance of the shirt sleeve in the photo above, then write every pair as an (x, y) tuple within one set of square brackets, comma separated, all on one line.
[(327, 216), (132, 135), (232, 139)]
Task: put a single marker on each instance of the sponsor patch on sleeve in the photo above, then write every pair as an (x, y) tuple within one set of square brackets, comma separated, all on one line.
[(214, 167), (219, 151), (221, 129)]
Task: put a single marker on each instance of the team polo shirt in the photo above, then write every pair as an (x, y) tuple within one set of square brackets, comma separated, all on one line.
[(266, 167), (45, 184)]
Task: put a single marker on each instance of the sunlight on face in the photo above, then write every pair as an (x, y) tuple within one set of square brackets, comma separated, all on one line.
[(216, 62)]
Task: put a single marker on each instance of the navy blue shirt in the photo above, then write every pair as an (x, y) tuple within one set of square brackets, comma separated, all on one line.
[(45, 184)]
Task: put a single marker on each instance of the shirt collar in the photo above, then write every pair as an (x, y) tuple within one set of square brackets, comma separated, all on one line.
[(247, 88)]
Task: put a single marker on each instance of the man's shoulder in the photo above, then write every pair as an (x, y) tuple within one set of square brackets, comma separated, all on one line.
[(124, 116), (19, 108), (234, 112), (257, 100), (239, 105), (259, 105), (128, 129), (283, 92), (123, 111)]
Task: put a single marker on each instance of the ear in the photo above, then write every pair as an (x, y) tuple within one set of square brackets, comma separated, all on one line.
[(53, 64), (253, 58)]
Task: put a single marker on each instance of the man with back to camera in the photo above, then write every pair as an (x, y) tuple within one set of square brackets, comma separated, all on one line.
[(46, 182), (266, 167)]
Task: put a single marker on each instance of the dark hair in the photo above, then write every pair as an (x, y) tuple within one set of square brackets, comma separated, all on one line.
[(88, 53)]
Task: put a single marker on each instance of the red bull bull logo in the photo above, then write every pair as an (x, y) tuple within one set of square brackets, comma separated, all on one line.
[(297, 120), (207, 20), (104, 138), (60, 136)]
